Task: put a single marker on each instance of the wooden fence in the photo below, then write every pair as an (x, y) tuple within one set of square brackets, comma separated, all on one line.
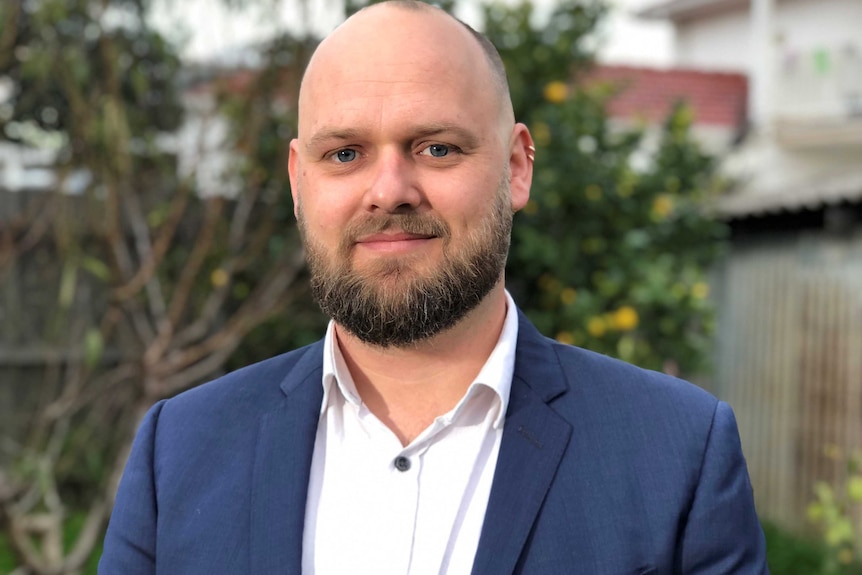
[(789, 361)]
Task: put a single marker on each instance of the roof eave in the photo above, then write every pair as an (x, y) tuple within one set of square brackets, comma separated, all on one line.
[(682, 9)]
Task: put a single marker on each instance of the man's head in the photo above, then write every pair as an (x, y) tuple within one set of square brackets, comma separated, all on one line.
[(406, 171)]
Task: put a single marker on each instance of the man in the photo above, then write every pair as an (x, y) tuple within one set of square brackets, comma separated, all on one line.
[(433, 430)]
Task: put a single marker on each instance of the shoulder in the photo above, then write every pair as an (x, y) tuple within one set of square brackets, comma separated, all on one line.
[(611, 397), (564, 374), (247, 391), (647, 403), (594, 373)]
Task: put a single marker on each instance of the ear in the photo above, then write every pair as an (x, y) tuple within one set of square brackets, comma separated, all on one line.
[(293, 168), (521, 157)]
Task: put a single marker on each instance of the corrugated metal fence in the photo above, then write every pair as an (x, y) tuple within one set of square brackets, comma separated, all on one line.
[(790, 363)]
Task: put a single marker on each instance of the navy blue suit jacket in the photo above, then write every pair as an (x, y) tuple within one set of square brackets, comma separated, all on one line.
[(604, 469)]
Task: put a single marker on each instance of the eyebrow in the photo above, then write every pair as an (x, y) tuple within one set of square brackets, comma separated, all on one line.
[(468, 138), (330, 135), (327, 135)]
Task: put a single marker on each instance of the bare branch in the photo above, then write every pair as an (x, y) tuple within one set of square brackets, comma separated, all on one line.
[(192, 268), (69, 404), (138, 319), (254, 310), (35, 223), (23, 545), (114, 234), (155, 297), (8, 34), (196, 373), (241, 215), (186, 282), (88, 537), (160, 247)]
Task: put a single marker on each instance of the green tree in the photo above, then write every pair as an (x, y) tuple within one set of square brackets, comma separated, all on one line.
[(613, 250), (129, 279), (835, 512)]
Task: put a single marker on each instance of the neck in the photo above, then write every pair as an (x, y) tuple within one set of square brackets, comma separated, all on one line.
[(408, 387)]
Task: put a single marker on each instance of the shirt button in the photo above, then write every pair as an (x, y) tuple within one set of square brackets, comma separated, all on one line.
[(402, 463)]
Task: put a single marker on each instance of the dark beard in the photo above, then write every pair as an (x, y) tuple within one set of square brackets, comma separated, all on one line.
[(391, 306)]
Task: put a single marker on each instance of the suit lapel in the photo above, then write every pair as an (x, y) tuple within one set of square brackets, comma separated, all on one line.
[(534, 440), (281, 468)]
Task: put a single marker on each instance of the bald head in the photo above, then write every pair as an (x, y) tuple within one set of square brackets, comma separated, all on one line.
[(403, 94), (495, 62), (394, 36)]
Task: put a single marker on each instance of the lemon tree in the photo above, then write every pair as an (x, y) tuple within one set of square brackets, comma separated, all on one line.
[(612, 252)]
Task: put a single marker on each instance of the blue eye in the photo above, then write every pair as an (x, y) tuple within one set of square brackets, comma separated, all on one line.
[(437, 150), (344, 156)]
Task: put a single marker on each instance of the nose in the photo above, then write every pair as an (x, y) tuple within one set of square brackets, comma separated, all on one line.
[(394, 187)]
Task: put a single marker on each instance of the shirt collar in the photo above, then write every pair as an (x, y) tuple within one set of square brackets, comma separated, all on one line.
[(496, 374)]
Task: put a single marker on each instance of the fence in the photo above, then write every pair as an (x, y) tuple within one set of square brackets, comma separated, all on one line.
[(790, 362)]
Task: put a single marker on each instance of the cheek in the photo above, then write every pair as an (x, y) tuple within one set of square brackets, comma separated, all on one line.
[(465, 199), (327, 223), (327, 203)]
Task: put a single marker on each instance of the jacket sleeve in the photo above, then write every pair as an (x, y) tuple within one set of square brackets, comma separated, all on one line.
[(722, 533), (130, 542)]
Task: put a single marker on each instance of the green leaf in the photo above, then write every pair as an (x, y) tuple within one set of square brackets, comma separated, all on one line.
[(854, 488), (96, 267), (94, 346), (68, 283)]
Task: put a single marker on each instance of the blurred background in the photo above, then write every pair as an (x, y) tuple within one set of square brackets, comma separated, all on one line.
[(696, 209)]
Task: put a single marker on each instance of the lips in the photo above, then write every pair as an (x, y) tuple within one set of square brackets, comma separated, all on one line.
[(393, 237), (393, 242)]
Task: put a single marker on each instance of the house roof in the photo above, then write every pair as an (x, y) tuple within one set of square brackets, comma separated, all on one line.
[(716, 98), (685, 9), (805, 195)]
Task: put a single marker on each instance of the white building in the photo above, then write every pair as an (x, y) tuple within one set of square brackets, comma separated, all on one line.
[(789, 293), (803, 59)]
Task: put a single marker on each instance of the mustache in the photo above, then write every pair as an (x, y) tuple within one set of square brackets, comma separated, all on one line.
[(411, 223)]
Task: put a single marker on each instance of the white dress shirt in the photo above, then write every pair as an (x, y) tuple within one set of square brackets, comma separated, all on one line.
[(377, 507)]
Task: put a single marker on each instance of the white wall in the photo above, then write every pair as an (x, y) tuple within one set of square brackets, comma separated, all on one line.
[(818, 22), (723, 41), (805, 69), (818, 58), (806, 61), (719, 42)]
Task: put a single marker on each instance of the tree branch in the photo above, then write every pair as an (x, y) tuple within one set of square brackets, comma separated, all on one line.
[(256, 308), (186, 282), (160, 247), (155, 297)]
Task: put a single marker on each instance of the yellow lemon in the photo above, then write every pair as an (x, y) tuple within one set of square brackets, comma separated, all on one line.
[(700, 290), (556, 92), (218, 277), (565, 337), (626, 318), (662, 206), (541, 134), (596, 326)]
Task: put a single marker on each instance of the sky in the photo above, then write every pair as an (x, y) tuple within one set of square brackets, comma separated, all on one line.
[(209, 30)]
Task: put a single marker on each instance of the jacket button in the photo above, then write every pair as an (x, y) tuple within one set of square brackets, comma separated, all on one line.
[(402, 463)]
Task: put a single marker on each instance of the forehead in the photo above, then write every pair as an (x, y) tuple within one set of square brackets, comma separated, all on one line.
[(391, 62)]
